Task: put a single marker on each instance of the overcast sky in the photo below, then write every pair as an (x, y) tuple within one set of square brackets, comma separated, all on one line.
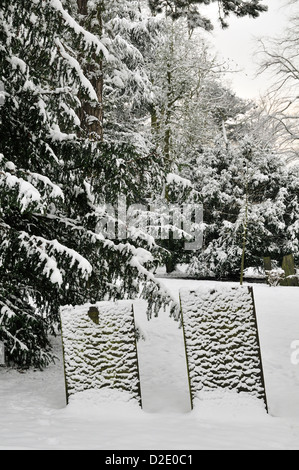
[(238, 44)]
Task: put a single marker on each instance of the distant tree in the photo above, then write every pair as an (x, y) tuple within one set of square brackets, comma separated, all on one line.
[(245, 190), (279, 58), (189, 108), (191, 10), (181, 72)]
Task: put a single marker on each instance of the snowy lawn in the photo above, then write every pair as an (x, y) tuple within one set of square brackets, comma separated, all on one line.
[(34, 414)]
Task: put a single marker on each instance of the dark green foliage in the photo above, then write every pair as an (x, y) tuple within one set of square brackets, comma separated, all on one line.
[(54, 183)]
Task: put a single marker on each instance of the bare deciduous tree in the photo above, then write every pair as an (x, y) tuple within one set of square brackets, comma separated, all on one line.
[(280, 58)]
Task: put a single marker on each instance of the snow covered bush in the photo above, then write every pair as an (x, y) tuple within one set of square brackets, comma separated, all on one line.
[(244, 182), (275, 276)]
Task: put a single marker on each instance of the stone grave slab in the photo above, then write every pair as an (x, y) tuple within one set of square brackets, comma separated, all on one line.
[(99, 348), (2, 353), (222, 341)]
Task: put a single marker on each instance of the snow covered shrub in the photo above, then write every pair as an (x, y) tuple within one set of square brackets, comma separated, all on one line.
[(244, 184), (275, 276)]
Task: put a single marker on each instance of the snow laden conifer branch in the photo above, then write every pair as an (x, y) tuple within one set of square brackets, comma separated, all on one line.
[(90, 40), (53, 181)]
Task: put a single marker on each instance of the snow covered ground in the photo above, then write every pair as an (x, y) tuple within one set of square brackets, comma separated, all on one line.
[(34, 415)]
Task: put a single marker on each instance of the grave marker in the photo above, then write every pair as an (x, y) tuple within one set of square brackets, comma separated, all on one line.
[(2, 354), (288, 265), (267, 263), (221, 340), (99, 348)]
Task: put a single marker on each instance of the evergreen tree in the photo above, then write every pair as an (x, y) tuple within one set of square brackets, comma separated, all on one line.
[(189, 109), (120, 78), (54, 177), (244, 186)]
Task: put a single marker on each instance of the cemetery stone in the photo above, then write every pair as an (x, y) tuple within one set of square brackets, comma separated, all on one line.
[(2, 353), (221, 339), (99, 347)]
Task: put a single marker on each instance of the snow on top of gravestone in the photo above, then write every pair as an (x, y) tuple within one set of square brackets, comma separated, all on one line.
[(76, 326), (235, 294), (105, 306), (214, 289)]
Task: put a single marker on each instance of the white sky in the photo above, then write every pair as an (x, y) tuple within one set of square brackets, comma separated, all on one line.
[(237, 44)]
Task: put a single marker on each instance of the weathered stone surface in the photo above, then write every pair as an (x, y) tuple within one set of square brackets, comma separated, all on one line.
[(99, 345), (2, 354), (221, 338), (288, 265), (267, 263)]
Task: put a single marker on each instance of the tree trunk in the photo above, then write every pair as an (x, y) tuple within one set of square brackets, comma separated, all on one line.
[(167, 134), (82, 7), (91, 113), (170, 263), (245, 231)]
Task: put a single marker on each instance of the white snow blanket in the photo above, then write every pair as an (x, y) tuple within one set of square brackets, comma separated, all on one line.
[(34, 414)]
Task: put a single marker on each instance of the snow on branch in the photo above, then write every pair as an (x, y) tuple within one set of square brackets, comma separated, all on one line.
[(56, 191), (89, 38), (28, 194), (15, 340), (41, 247), (137, 259), (74, 64), (16, 62), (7, 313), (172, 178), (27, 191)]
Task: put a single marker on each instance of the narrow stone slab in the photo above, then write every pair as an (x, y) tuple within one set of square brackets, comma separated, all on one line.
[(221, 339), (288, 265), (2, 353), (99, 347)]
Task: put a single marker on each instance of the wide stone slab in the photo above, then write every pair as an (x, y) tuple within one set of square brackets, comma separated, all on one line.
[(99, 347), (222, 341)]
